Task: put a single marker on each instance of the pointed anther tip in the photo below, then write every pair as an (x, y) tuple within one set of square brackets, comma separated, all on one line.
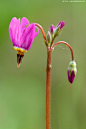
[(18, 64), (19, 58)]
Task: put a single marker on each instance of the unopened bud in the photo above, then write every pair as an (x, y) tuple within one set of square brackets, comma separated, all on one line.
[(52, 28), (49, 38), (62, 23), (71, 71), (59, 28)]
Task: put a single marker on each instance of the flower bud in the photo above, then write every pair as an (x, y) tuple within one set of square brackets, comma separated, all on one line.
[(61, 24), (49, 38), (52, 28), (71, 71), (59, 28)]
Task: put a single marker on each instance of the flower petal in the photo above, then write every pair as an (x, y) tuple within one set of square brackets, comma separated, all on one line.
[(27, 37), (15, 31), (36, 32), (24, 22), (71, 77), (13, 21)]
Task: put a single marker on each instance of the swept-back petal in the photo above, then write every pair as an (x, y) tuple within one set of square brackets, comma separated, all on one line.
[(27, 37), (24, 22), (15, 31), (12, 23), (36, 32)]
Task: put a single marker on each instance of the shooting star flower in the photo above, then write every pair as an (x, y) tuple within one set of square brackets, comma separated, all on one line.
[(22, 35)]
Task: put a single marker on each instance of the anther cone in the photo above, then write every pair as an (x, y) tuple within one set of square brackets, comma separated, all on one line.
[(19, 59)]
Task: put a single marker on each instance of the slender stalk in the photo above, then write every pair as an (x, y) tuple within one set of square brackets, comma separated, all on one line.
[(48, 88), (72, 54), (52, 42), (43, 33), (48, 79)]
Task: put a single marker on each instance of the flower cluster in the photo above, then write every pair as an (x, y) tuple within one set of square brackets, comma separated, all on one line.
[(54, 32), (57, 31)]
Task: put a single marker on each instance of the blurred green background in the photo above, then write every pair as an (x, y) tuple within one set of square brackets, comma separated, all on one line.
[(22, 92)]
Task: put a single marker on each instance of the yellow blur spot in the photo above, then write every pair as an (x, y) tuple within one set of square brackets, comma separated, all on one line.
[(50, 66), (18, 65), (45, 69), (27, 25)]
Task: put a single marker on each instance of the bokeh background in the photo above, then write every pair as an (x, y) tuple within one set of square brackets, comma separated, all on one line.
[(22, 92)]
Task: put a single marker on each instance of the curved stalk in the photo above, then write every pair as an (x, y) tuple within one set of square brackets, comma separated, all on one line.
[(72, 54), (42, 30)]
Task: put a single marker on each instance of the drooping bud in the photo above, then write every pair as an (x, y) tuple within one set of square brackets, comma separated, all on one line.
[(52, 28), (71, 71), (49, 38), (59, 28)]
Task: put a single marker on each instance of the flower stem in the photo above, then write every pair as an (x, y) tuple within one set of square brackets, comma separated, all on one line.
[(48, 79), (41, 30), (52, 42), (48, 88), (72, 54)]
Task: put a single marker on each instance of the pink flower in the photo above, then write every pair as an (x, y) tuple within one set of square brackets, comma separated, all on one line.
[(22, 35)]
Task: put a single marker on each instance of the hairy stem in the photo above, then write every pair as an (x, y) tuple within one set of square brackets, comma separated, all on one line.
[(48, 88), (72, 54)]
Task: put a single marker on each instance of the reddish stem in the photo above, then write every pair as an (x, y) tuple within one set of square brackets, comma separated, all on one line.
[(67, 45), (48, 88), (48, 80), (41, 30)]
